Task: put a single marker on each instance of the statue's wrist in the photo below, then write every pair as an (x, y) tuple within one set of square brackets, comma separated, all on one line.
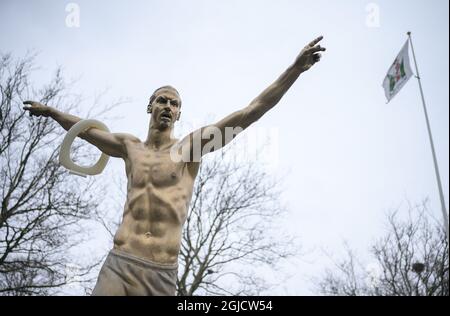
[(51, 111), (298, 68)]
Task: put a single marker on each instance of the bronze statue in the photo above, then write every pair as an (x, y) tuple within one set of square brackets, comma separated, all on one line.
[(146, 246)]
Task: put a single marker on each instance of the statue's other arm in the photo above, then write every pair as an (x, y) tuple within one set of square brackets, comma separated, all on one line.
[(112, 144), (261, 104)]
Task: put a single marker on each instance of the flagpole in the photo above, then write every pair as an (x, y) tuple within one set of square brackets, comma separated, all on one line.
[(436, 169)]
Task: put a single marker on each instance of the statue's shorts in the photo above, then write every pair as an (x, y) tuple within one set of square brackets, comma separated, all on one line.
[(124, 274)]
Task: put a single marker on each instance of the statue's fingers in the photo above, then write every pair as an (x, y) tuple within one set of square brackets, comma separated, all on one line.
[(317, 48), (317, 40), (317, 57)]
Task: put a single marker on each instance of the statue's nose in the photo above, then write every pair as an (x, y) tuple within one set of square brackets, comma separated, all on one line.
[(167, 105)]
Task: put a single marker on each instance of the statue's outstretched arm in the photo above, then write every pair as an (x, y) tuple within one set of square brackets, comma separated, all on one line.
[(215, 136), (112, 144)]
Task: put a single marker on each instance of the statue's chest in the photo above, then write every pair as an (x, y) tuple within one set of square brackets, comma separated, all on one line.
[(156, 168)]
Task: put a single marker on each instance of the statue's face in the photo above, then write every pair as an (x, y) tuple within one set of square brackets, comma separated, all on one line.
[(165, 108)]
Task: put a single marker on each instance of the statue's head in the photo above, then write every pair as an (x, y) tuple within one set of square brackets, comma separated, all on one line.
[(165, 106)]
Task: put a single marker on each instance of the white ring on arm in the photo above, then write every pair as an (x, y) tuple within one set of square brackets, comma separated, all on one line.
[(64, 154)]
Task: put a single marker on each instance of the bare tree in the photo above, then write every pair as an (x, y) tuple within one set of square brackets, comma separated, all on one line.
[(41, 207), (231, 230), (410, 260)]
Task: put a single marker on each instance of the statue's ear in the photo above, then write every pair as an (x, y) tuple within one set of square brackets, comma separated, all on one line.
[(149, 109), (179, 114)]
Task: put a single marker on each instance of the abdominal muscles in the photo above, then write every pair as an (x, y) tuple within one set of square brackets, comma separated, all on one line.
[(151, 226)]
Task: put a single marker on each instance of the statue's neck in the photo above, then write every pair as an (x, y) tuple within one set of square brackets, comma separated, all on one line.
[(158, 139)]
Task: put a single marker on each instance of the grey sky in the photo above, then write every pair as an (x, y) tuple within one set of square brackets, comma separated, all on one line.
[(347, 156)]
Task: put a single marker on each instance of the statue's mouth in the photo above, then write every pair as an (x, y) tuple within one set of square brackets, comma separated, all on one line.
[(166, 116)]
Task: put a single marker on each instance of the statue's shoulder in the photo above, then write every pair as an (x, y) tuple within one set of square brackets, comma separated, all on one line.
[(129, 138)]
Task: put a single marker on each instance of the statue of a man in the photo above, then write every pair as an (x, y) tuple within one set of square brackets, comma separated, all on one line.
[(144, 258)]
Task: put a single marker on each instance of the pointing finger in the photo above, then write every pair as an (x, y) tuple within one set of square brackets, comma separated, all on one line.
[(317, 40)]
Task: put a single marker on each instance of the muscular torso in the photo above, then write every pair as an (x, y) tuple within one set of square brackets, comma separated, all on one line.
[(159, 191)]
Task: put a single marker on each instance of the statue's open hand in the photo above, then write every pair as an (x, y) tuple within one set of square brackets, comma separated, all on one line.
[(36, 108), (309, 55)]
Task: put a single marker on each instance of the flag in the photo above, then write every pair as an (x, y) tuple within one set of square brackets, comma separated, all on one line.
[(398, 74)]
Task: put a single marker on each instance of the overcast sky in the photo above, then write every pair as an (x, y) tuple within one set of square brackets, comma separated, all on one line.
[(346, 156)]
